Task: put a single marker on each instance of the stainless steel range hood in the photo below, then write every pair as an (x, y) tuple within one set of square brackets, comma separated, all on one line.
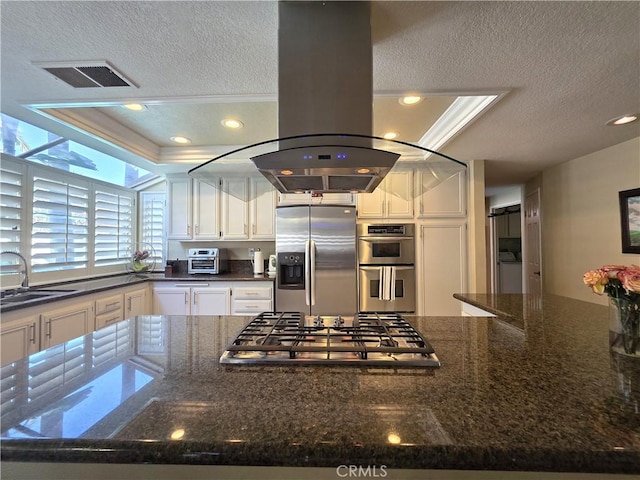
[(325, 111), (325, 85)]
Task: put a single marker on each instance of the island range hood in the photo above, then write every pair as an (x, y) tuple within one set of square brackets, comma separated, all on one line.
[(325, 109), (325, 84)]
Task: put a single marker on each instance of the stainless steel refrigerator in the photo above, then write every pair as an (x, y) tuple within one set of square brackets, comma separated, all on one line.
[(316, 259)]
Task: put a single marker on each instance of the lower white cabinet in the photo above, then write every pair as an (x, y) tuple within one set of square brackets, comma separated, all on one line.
[(445, 274), (136, 302), (19, 339), (200, 299), (215, 298), (251, 298), (63, 324), (109, 310)]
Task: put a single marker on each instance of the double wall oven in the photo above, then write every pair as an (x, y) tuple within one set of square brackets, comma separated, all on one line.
[(386, 267)]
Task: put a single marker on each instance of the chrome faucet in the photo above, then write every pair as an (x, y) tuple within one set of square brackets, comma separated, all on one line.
[(25, 280)]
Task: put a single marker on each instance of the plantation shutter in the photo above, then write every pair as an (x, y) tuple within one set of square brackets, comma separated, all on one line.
[(152, 222), (60, 231), (11, 205), (113, 226)]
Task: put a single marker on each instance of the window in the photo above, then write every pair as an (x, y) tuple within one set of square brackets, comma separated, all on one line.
[(152, 221), (60, 231), (45, 148), (114, 217)]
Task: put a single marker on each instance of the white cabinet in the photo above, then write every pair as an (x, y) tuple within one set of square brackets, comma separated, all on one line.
[(248, 209), (108, 309), (194, 299), (393, 198), (210, 301), (66, 323), (192, 209), (214, 298), (443, 246), (235, 211), (446, 199), (249, 298), (262, 210), (171, 300), (20, 338), (136, 302)]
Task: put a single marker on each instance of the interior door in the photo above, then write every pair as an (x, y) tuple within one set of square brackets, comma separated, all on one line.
[(533, 246)]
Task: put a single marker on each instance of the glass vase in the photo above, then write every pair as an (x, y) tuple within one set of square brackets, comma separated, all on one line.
[(625, 324)]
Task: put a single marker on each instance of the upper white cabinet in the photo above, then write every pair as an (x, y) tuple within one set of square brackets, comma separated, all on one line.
[(262, 210), (192, 209), (393, 198), (248, 209), (446, 199)]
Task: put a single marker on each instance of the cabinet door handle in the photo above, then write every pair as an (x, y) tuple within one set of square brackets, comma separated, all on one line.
[(186, 297), (188, 229), (48, 334), (112, 319), (195, 298), (245, 228), (129, 307), (388, 207), (197, 229), (253, 229), (108, 305), (32, 329)]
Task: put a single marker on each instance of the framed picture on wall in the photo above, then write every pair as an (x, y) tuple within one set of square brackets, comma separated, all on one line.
[(630, 220)]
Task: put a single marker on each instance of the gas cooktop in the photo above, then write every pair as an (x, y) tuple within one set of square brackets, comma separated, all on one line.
[(377, 339)]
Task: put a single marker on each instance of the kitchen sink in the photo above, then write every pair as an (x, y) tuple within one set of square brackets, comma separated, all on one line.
[(31, 295)]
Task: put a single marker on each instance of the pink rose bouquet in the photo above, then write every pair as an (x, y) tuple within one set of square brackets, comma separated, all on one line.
[(615, 280), (622, 285)]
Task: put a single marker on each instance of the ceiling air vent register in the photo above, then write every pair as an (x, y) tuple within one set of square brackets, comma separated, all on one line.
[(97, 74)]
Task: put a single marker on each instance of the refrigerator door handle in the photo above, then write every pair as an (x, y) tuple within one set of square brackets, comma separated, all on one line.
[(312, 276), (307, 272)]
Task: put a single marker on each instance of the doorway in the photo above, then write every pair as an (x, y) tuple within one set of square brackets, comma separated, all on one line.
[(507, 249)]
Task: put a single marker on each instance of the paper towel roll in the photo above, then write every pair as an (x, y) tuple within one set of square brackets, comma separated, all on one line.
[(258, 263)]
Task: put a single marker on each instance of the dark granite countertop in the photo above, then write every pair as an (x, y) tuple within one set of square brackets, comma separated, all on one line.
[(87, 286), (548, 395)]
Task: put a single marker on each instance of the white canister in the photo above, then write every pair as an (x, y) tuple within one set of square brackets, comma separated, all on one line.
[(258, 263)]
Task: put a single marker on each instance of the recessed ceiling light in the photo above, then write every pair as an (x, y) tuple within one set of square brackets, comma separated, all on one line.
[(136, 107), (410, 100), (363, 170), (180, 139), (623, 119), (390, 135), (286, 172), (232, 123)]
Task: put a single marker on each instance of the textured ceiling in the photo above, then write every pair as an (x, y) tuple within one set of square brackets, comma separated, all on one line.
[(568, 67)]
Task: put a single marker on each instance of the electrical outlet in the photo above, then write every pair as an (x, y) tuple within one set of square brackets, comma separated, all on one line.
[(251, 252)]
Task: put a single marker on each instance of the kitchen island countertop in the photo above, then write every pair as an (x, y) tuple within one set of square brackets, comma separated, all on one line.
[(537, 390)]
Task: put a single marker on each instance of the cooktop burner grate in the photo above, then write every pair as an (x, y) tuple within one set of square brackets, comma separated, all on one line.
[(382, 338)]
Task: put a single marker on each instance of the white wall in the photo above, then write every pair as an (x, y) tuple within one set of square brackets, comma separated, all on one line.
[(581, 217)]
